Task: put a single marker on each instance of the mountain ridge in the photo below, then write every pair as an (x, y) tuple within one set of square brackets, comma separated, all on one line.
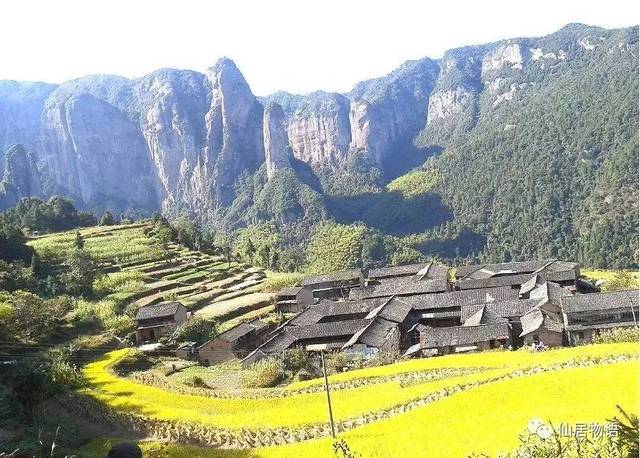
[(184, 141)]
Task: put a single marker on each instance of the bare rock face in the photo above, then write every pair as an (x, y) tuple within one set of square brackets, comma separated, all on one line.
[(277, 151), (97, 166), (508, 55), (233, 125), (20, 177), (172, 107)]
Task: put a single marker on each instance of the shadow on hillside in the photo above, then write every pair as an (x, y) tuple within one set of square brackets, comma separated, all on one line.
[(399, 164), (390, 212), (465, 243), (306, 174)]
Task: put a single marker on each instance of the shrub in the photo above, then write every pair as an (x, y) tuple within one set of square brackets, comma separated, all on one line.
[(338, 362), (104, 314), (263, 374), (197, 330), (30, 318), (383, 358), (617, 335), (297, 359)]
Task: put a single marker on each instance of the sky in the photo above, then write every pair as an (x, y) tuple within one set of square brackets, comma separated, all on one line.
[(296, 46)]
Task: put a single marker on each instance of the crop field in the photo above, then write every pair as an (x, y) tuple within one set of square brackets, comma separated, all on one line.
[(137, 271), (447, 406)]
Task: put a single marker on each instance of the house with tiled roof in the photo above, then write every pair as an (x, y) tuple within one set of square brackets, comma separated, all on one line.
[(158, 320), (457, 339), (236, 342), (585, 315), (542, 326), (400, 287), (293, 299), (334, 285), (522, 275), (424, 271)]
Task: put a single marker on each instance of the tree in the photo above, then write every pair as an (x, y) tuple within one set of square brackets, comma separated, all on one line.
[(13, 246), (79, 242), (36, 267), (29, 318), (81, 272), (224, 246), (197, 330), (107, 219)]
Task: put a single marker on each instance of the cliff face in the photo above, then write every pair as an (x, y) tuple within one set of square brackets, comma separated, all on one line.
[(181, 140), (20, 177)]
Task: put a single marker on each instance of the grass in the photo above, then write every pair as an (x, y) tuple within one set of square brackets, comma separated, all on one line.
[(123, 281), (259, 313)]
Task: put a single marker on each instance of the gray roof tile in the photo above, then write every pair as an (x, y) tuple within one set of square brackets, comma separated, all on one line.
[(599, 301)]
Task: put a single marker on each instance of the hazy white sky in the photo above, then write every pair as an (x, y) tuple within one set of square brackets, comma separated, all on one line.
[(298, 46)]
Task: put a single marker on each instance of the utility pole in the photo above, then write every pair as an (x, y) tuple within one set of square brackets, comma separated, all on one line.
[(326, 388)]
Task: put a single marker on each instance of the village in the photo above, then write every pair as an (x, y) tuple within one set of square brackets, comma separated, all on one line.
[(416, 310)]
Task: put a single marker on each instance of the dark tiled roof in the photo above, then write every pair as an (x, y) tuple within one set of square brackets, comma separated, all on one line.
[(493, 282), (559, 275), (400, 287), (394, 310), (344, 275), (505, 309), (326, 308), (484, 316), (288, 336), (435, 272), (291, 291), (375, 334), (517, 267), (531, 284), (600, 301), (396, 271), (242, 329), (161, 310), (536, 318), (464, 335), (460, 298), (551, 291)]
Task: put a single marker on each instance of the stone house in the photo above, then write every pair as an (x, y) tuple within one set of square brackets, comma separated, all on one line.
[(585, 315), (294, 299), (236, 342), (335, 285), (159, 320)]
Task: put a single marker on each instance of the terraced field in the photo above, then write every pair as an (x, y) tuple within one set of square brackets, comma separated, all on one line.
[(138, 271), (447, 406)]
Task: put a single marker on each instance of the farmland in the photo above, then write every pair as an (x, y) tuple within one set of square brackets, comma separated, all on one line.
[(137, 270), (380, 411)]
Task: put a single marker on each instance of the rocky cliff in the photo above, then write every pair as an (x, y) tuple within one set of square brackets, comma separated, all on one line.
[(182, 140)]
